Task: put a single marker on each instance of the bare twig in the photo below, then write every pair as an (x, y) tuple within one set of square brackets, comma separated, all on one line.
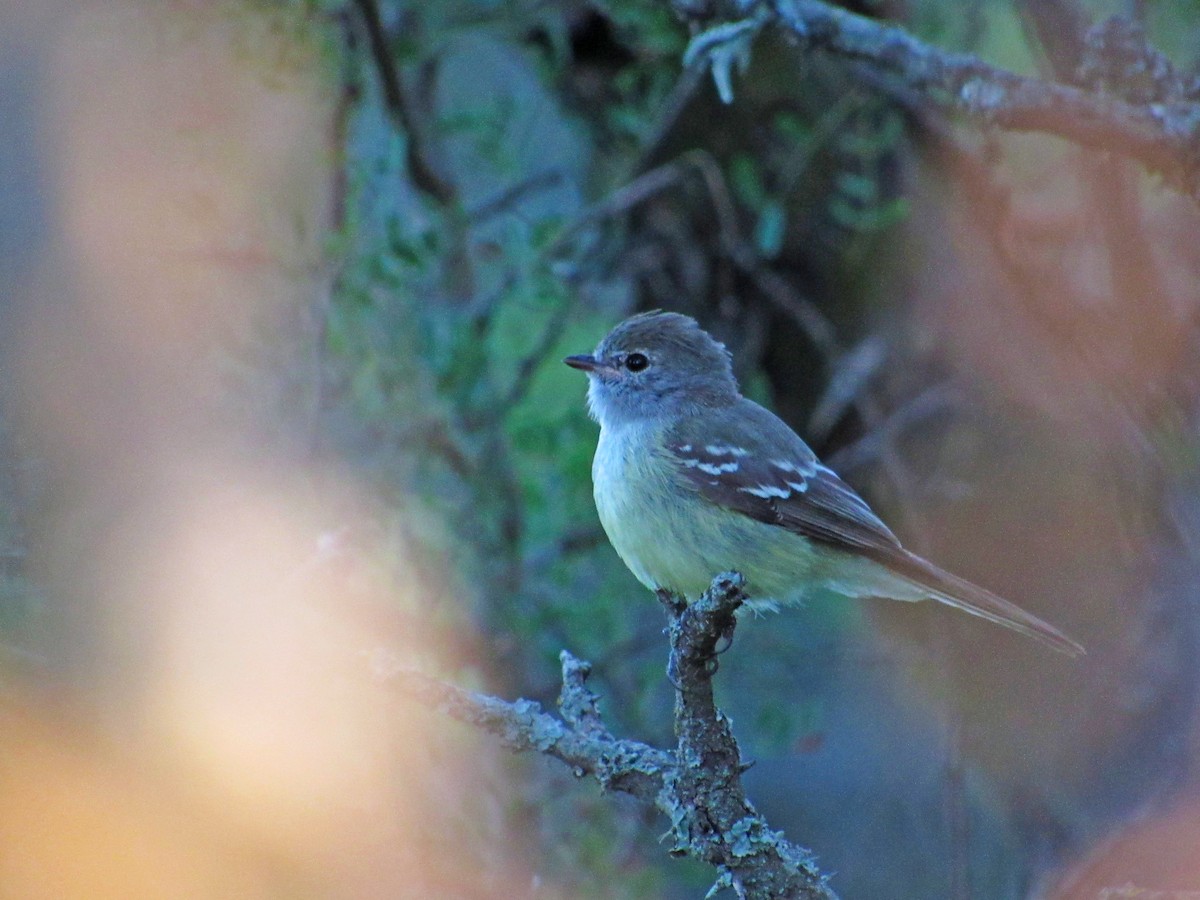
[(624, 198), (852, 372), (423, 160), (697, 785), (668, 115), (885, 429), (628, 767), (810, 320), (528, 366), (511, 196), (410, 107)]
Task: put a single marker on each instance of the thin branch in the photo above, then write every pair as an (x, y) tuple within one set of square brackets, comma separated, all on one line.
[(665, 120), (624, 198), (810, 320), (512, 196), (884, 430), (697, 785), (848, 380), (502, 403), (637, 191), (1163, 137), (410, 108), (423, 159), (528, 367), (628, 767)]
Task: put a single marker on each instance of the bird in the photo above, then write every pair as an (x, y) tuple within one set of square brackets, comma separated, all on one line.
[(692, 479)]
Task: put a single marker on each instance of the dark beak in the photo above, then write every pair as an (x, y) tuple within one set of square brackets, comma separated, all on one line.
[(586, 363)]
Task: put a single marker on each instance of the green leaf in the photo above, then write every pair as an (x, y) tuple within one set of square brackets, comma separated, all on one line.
[(746, 182), (770, 228)]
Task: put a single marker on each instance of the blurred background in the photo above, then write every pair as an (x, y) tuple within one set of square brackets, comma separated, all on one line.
[(284, 290)]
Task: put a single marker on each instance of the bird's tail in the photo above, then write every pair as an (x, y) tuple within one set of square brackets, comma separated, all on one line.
[(962, 594)]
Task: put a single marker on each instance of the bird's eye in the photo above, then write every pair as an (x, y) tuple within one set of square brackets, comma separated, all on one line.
[(635, 362)]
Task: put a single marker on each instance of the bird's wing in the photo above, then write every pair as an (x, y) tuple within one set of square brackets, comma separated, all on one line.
[(768, 473)]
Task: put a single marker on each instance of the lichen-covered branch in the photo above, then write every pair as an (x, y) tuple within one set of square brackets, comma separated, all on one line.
[(1164, 136), (712, 817), (582, 743), (697, 785)]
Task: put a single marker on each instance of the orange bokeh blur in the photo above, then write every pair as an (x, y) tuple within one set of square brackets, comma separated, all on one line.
[(208, 723)]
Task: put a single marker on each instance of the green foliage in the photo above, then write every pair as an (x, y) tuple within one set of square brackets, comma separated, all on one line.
[(458, 397), (860, 201)]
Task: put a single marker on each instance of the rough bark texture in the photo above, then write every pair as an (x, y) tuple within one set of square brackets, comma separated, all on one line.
[(697, 785), (1162, 133)]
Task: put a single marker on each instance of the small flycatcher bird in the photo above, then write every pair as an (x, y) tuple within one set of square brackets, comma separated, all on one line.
[(692, 479)]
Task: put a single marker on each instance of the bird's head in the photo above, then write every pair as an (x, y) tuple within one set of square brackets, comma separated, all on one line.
[(653, 365)]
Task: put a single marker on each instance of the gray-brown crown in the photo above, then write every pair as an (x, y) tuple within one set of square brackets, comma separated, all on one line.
[(674, 338)]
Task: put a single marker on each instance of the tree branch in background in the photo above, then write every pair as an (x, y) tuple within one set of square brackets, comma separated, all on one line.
[(1095, 56), (410, 107), (1163, 136), (424, 166), (697, 785), (581, 742)]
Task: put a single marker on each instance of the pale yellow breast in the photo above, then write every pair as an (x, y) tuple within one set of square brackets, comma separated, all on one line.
[(671, 537), (666, 534)]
